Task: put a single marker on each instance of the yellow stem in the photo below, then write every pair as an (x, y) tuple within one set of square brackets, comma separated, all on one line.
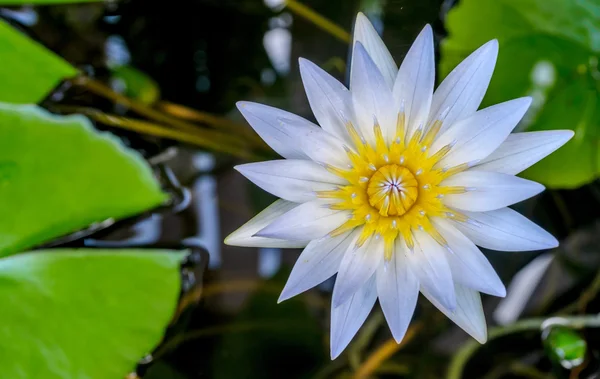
[(383, 352), (140, 108), (195, 115), (208, 140), (320, 21)]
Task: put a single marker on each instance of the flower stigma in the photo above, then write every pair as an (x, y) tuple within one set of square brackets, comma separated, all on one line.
[(394, 188)]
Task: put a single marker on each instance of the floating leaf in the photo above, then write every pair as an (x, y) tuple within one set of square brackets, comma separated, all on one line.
[(578, 160), (137, 85), (565, 346), (77, 313), (547, 50), (58, 175), (29, 71)]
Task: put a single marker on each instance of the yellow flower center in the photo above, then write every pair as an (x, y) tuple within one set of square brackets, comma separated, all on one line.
[(394, 187), (392, 190)]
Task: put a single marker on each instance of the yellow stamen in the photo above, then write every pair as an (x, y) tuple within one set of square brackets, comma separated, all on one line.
[(400, 129), (394, 187), (431, 133)]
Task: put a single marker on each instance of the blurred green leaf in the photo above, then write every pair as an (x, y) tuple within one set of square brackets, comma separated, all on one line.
[(565, 346), (93, 314), (137, 85), (473, 22), (58, 175), (29, 71), (548, 51)]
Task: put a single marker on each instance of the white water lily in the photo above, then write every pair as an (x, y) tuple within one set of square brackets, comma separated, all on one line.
[(397, 186)]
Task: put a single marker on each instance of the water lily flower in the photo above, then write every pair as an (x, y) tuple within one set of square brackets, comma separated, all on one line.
[(397, 186)]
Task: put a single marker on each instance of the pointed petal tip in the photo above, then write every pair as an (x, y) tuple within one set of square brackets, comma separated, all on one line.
[(337, 347), (398, 337), (241, 104), (427, 29), (233, 239), (283, 297), (525, 101), (501, 292), (493, 44), (303, 62), (361, 17), (288, 292), (496, 289), (489, 48), (482, 339), (563, 136), (536, 188), (335, 352), (228, 240)]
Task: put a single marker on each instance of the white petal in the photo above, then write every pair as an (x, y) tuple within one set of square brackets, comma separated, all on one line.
[(318, 262), (521, 150), (398, 291), (371, 96), (307, 221), (365, 33), (415, 80), (477, 136), (316, 143), (349, 317), (290, 179), (243, 236), (505, 230), (265, 121), (487, 191), (430, 265), (329, 99), (468, 313), (468, 264), (461, 92), (357, 266)]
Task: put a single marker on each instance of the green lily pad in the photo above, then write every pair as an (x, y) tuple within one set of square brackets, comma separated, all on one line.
[(548, 50), (29, 71), (81, 313), (59, 175), (574, 104)]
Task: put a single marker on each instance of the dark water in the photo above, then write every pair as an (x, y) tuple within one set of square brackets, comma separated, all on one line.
[(207, 55)]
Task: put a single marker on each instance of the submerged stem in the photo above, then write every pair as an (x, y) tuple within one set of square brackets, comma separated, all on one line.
[(194, 115), (100, 89), (383, 352), (210, 140)]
